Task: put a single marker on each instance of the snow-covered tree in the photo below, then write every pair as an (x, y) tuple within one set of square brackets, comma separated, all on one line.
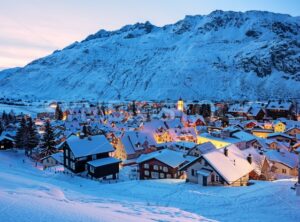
[(33, 138), (58, 113), (48, 140), (21, 136)]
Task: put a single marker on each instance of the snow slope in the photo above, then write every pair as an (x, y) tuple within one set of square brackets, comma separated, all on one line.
[(28, 194), (223, 55)]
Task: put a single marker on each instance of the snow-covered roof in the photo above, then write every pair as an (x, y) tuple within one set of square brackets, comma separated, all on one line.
[(59, 157), (239, 108), (231, 167), (185, 144), (279, 134), (257, 158), (6, 137), (283, 156), (243, 136), (224, 139), (137, 140), (169, 157), (89, 145), (279, 105), (204, 172), (103, 161), (205, 147)]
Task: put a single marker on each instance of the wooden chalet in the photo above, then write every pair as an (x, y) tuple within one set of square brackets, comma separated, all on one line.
[(81, 153), (6, 142), (162, 164), (277, 109)]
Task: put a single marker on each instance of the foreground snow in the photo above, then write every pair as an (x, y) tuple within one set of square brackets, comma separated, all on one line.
[(29, 194)]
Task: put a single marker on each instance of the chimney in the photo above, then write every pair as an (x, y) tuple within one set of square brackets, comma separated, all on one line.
[(249, 158), (226, 151)]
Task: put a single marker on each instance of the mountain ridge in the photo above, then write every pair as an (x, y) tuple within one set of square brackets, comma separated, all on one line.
[(223, 55)]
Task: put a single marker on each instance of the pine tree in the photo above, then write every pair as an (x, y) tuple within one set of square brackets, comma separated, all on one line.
[(33, 138), (134, 108), (58, 113), (48, 140), (1, 127), (21, 136), (148, 119)]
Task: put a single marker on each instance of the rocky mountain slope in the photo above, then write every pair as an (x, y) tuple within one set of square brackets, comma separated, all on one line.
[(223, 55)]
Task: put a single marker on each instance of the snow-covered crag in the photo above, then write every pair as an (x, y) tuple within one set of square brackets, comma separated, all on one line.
[(223, 55)]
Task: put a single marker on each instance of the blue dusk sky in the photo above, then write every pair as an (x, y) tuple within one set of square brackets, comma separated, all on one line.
[(34, 28)]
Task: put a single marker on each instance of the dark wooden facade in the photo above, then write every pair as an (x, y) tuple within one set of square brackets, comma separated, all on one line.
[(78, 165), (155, 169), (6, 143), (104, 171)]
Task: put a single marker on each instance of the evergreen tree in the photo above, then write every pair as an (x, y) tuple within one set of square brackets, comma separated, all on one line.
[(134, 108), (58, 113), (21, 136), (4, 115), (1, 127), (103, 109), (148, 118), (33, 138), (48, 140)]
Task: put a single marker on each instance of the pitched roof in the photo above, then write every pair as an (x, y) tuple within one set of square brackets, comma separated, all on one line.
[(283, 156), (134, 141), (280, 134), (281, 105), (103, 161), (89, 146), (231, 167), (205, 147), (169, 157)]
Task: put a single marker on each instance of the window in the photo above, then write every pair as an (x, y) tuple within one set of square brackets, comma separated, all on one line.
[(217, 178), (67, 152), (165, 169), (146, 172), (212, 178), (71, 156), (72, 165), (2, 146), (161, 175), (155, 167), (284, 171), (154, 175), (146, 166), (193, 172), (169, 175), (94, 157), (92, 169)]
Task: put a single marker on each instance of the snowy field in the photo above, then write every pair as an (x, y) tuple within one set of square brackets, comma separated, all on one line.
[(29, 194), (29, 110)]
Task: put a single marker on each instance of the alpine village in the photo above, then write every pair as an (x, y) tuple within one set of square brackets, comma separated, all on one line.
[(206, 143)]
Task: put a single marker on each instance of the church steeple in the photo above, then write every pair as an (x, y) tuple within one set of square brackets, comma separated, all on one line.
[(180, 105)]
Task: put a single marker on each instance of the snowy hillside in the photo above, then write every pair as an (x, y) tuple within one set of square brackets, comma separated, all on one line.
[(223, 55), (29, 194)]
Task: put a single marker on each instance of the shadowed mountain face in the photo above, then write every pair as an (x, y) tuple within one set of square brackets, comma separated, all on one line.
[(224, 55)]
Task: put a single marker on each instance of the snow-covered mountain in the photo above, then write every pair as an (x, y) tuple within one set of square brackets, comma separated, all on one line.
[(223, 55)]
